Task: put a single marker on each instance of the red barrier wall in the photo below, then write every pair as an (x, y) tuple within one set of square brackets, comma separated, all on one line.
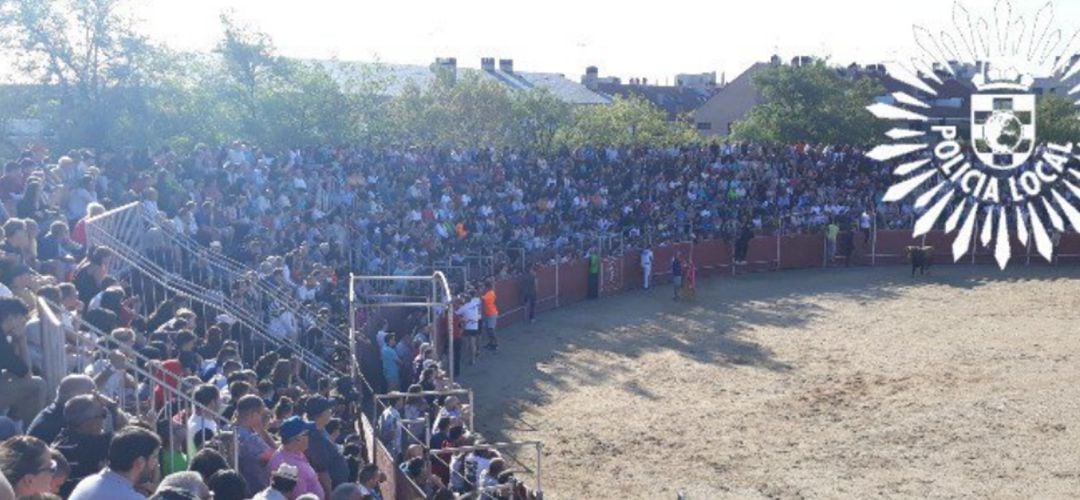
[(1069, 250), (713, 258), (760, 255), (801, 251)]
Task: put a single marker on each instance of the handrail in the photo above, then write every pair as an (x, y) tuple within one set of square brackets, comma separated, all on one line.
[(47, 308), (237, 270), (177, 286)]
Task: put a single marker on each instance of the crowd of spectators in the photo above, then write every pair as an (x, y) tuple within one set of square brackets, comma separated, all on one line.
[(301, 220)]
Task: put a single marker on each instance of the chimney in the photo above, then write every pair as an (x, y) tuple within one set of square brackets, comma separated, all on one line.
[(446, 67), (506, 65), (487, 63), (592, 74)]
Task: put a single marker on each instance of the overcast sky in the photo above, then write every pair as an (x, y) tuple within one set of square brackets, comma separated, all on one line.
[(645, 39)]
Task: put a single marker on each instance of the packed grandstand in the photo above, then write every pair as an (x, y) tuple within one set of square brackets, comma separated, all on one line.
[(170, 311)]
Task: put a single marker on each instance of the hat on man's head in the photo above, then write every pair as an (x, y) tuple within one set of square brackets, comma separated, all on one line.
[(293, 427), (286, 471), (317, 405)]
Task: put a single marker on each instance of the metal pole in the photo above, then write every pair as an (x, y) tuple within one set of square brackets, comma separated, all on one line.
[(975, 240), (557, 259), (1028, 245), (825, 257), (450, 332), (873, 242), (779, 235), (472, 411), (539, 472)]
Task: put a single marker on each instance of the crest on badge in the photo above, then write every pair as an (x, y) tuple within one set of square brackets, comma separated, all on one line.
[(1002, 118)]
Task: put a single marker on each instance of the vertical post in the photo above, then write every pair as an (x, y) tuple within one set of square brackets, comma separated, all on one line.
[(1027, 244), (539, 472), (449, 330), (975, 240), (472, 411), (873, 241), (779, 234), (825, 257), (353, 366), (600, 277), (557, 259)]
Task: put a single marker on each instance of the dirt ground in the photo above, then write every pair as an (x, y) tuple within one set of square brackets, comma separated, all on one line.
[(850, 383)]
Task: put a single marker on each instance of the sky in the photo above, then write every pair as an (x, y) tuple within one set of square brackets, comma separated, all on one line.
[(654, 40)]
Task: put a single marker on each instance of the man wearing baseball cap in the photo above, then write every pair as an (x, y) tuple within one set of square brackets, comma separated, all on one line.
[(325, 457), (294, 442)]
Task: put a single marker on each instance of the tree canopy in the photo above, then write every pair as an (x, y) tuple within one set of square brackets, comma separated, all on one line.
[(98, 83), (811, 103)]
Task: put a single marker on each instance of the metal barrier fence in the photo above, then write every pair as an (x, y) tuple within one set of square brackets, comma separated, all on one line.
[(93, 345), (161, 272)]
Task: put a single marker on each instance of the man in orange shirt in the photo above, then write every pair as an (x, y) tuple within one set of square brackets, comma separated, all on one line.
[(491, 315)]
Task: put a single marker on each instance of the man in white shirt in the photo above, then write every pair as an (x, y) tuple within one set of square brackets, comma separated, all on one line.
[(470, 318), (646, 266), (209, 399), (864, 226)]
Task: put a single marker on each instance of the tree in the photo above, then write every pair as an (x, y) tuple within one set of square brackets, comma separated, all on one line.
[(86, 50), (253, 68), (811, 103), (467, 111), (626, 122), (1057, 120), (536, 117)]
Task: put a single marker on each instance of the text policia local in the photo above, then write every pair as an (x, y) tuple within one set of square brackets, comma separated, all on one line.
[(990, 189)]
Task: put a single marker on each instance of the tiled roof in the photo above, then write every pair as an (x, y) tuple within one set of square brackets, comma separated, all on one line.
[(675, 101), (400, 76)]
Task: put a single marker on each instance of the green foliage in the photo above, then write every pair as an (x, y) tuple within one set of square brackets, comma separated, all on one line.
[(87, 51), (1057, 120), (626, 121), (99, 84), (811, 103)]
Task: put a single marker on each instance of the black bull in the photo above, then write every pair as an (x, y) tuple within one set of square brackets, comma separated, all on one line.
[(921, 258)]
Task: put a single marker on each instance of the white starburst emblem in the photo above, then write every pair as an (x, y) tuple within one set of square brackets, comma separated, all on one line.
[(1003, 178)]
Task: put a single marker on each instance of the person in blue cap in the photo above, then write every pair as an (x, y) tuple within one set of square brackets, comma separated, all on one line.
[(294, 442)]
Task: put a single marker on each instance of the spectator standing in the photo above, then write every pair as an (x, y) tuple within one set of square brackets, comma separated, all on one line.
[(254, 450), (594, 274), (294, 442), (677, 274), (742, 243), (865, 225), (325, 456), (491, 316), (470, 318), (646, 266), (391, 364), (202, 421), (528, 294), (832, 231)]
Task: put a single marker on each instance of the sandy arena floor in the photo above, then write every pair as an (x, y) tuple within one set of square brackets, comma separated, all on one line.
[(841, 384)]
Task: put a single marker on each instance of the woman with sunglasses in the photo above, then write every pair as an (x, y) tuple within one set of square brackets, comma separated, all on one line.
[(27, 463)]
